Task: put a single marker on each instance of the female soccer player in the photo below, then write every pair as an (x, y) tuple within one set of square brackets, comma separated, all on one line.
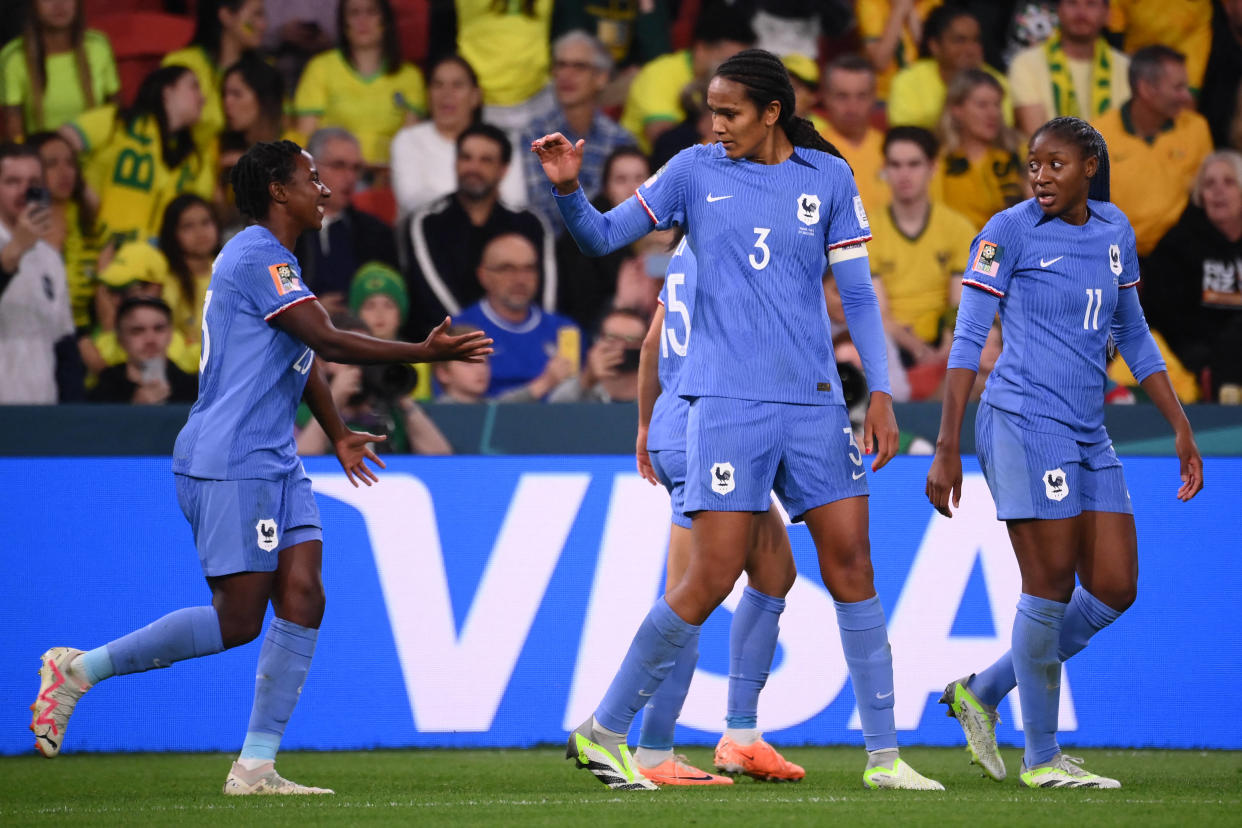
[(766, 412), (661, 456), (239, 481), (1061, 268)]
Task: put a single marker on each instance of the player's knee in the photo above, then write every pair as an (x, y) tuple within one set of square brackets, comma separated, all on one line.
[(235, 632), (1119, 596), (848, 573), (303, 598)]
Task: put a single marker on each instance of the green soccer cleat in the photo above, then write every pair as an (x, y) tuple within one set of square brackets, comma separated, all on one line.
[(614, 767), (899, 777), (978, 722), (1063, 772)]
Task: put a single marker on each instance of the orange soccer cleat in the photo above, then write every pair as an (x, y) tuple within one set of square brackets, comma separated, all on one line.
[(758, 760), (677, 771)]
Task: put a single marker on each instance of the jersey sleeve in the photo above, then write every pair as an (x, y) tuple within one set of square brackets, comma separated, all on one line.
[(993, 256), (271, 279), (663, 195), (1129, 276), (847, 220), (311, 97), (414, 90)]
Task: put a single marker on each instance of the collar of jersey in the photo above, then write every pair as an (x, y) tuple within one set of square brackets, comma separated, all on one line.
[(532, 322), (1127, 123)]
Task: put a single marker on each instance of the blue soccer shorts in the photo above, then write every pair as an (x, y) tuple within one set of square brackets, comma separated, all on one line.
[(740, 450), (241, 525), (1044, 476), (670, 468)]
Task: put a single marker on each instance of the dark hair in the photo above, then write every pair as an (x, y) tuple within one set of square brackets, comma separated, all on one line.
[(492, 133), (722, 24), (149, 102), (850, 62), (627, 151), (35, 55), (390, 47), (1147, 64), (267, 162), (86, 213), (267, 85), (938, 22), (1090, 143), (207, 28), (628, 313), (171, 247), (131, 303), (765, 80), (470, 73), (923, 138), (11, 149)]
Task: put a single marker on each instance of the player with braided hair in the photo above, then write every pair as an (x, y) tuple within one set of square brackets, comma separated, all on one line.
[(1061, 268), (766, 410), (239, 481)]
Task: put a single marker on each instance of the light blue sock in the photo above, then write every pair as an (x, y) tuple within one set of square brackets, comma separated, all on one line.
[(1036, 632), (649, 660), (284, 661), (752, 646), (187, 633), (661, 713), (864, 638), (1085, 616)]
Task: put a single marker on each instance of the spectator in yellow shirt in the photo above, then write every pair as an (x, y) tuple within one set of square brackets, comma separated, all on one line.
[(653, 105), (363, 85), (1156, 143), (981, 173), (849, 99), (139, 159), (891, 31), (55, 71), (226, 30), (918, 250), (1184, 25), (1075, 72), (506, 41), (953, 43)]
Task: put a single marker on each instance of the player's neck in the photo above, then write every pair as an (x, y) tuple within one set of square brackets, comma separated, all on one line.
[(1076, 215), (775, 149), (283, 228), (1077, 48)]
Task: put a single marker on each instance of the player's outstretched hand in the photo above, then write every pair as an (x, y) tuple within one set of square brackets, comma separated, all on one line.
[(1192, 465), (353, 450), (944, 478), (644, 459), (469, 347), (561, 160), (880, 435)]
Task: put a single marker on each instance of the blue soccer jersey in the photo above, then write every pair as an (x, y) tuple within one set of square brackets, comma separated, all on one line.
[(251, 373), (520, 351), (761, 236), (1061, 290), (667, 429)]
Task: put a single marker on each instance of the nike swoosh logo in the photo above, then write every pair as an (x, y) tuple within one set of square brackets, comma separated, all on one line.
[(858, 474), (1043, 263), (884, 695), (711, 198), (641, 693)]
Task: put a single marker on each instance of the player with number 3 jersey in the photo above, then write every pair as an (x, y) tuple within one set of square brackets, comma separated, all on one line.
[(239, 481), (1062, 270), (766, 210)]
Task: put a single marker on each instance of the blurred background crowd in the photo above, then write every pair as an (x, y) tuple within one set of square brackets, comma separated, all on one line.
[(121, 120)]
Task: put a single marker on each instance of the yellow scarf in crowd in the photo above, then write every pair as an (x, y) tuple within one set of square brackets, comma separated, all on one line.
[(1064, 98)]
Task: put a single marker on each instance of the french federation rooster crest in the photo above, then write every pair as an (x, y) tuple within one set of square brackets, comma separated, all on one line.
[(1055, 481), (722, 476)]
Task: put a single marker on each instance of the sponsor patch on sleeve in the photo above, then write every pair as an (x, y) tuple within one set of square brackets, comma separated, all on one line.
[(284, 278), (860, 213), (988, 258)]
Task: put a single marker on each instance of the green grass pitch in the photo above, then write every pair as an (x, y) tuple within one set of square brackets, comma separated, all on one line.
[(538, 787)]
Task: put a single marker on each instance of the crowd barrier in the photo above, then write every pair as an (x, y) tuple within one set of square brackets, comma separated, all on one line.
[(486, 602)]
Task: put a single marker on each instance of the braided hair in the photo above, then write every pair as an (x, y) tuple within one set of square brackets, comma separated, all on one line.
[(265, 163), (1090, 143), (765, 79)]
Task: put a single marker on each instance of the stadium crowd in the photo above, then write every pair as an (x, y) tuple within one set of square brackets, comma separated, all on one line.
[(121, 121)]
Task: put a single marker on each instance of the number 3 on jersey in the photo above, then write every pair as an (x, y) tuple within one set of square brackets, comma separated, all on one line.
[(766, 254)]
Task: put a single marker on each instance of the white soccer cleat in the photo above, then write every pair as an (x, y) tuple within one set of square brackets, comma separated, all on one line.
[(978, 722), (265, 781), (59, 691), (1063, 772), (614, 768), (899, 777)]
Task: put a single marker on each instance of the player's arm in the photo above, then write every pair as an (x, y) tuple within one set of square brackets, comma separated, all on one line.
[(352, 447), (309, 323), (1134, 340), (648, 390), (596, 233)]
